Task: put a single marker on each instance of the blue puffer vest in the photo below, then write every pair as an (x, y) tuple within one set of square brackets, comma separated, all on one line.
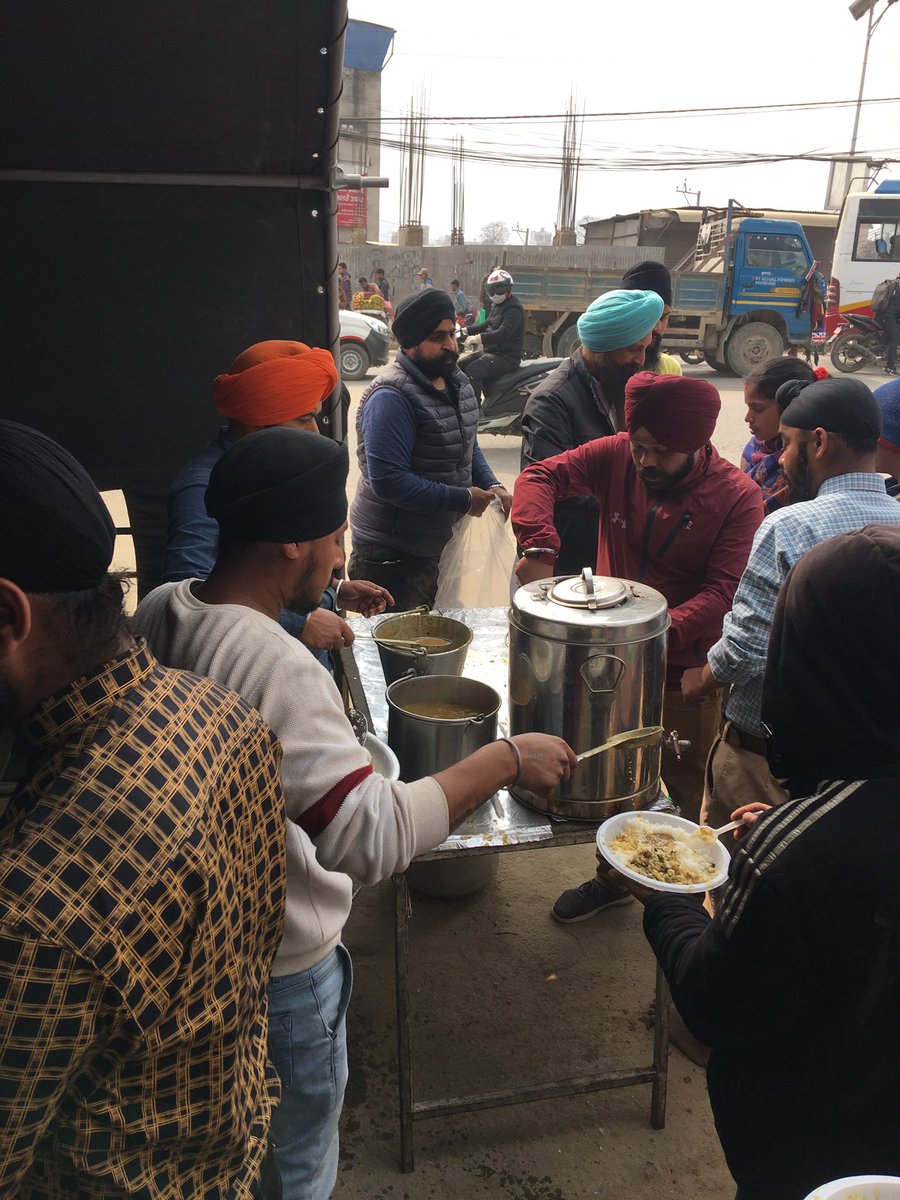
[(446, 422)]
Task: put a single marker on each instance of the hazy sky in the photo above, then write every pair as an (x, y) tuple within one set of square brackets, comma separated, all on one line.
[(505, 58)]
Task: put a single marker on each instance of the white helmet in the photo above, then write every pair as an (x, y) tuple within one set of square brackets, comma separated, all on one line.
[(498, 285)]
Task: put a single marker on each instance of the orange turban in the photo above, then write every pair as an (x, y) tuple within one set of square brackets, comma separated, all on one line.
[(276, 381)]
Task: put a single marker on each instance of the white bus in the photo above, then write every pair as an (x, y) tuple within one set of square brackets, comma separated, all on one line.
[(866, 251)]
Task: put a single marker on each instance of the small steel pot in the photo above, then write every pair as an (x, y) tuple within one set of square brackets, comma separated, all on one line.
[(396, 661), (425, 745)]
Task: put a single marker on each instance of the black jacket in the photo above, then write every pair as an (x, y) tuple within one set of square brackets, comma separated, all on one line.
[(503, 332), (796, 987), (561, 413)]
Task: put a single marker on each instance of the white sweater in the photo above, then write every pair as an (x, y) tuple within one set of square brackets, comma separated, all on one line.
[(342, 816)]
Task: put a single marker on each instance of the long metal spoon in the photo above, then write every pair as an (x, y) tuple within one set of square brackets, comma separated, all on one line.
[(646, 736), (425, 642)]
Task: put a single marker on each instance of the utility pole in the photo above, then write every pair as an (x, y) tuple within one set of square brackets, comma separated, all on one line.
[(519, 230), (683, 191)]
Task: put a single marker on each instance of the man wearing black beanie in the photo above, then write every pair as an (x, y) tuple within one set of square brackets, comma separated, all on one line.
[(142, 881), (830, 429), (421, 467), (651, 276), (279, 498)]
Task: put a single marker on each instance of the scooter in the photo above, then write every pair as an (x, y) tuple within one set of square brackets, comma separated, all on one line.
[(863, 344), (504, 398)]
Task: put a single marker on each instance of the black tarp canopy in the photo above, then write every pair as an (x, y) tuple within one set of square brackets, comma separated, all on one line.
[(165, 201)]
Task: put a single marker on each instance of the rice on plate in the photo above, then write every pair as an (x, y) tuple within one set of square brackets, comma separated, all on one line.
[(663, 852)]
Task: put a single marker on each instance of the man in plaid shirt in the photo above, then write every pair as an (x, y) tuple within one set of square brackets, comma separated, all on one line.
[(142, 878), (830, 429)]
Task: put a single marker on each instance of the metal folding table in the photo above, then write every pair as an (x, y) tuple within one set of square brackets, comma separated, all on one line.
[(502, 827)]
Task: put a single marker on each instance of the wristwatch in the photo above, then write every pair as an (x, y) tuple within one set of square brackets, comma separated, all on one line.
[(495, 486), (537, 551)]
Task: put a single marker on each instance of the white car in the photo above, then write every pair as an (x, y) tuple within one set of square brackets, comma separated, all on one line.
[(365, 342)]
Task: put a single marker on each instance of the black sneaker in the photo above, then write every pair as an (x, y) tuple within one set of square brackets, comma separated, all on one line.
[(890, 371), (577, 904)]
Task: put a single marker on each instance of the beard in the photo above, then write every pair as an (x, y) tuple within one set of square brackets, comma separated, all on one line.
[(444, 365), (652, 353), (613, 377), (800, 479), (307, 593), (658, 481)]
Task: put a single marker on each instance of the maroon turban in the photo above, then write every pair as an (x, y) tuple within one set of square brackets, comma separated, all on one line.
[(680, 413)]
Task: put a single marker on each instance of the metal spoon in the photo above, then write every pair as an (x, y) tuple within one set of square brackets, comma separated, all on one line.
[(647, 736), (425, 642)]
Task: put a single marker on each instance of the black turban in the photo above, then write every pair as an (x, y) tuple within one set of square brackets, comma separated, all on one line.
[(280, 485), (842, 406), (649, 276), (56, 534), (830, 694), (420, 314)]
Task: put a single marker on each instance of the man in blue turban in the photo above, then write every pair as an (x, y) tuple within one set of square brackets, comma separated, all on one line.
[(583, 399)]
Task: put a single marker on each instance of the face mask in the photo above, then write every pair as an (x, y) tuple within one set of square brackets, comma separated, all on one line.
[(499, 299)]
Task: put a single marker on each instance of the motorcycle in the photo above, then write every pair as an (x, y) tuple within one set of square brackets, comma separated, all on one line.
[(504, 398), (862, 345)]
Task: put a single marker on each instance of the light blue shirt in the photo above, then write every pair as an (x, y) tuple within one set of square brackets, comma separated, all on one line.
[(843, 504)]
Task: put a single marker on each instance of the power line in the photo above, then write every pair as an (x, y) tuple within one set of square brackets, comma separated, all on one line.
[(716, 110)]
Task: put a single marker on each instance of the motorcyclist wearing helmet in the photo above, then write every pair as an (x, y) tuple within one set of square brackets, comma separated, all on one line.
[(502, 334)]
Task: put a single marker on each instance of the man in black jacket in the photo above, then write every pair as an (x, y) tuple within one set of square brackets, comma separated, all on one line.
[(502, 334)]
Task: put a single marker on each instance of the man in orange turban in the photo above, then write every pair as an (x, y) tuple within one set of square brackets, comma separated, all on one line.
[(272, 383)]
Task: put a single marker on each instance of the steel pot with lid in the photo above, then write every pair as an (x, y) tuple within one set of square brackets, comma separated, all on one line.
[(587, 661)]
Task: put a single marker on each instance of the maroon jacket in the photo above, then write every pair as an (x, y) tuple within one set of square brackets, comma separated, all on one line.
[(691, 543)]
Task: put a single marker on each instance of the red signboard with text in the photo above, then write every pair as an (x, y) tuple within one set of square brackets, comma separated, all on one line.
[(352, 209)]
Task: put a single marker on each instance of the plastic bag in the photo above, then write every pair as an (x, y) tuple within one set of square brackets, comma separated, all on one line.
[(477, 562)]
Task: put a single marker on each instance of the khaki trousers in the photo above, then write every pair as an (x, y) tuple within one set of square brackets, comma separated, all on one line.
[(734, 777)]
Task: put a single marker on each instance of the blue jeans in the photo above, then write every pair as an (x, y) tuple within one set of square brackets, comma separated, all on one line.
[(308, 1047)]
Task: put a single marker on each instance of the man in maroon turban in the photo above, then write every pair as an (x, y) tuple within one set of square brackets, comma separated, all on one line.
[(673, 515)]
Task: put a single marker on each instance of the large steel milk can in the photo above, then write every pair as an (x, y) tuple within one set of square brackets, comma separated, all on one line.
[(587, 661)]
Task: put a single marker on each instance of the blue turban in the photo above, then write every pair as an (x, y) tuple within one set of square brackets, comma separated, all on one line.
[(619, 319)]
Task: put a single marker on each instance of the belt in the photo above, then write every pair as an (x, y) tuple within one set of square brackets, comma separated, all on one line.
[(743, 741)]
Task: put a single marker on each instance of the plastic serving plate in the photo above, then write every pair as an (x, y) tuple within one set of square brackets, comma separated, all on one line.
[(859, 1187), (611, 829)]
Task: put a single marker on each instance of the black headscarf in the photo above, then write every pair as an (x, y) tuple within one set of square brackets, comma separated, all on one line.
[(280, 485), (56, 534), (831, 695), (843, 406), (420, 314), (649, 276)]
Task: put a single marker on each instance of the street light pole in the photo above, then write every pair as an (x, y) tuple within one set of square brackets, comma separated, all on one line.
[(862, 84), (856, 11)]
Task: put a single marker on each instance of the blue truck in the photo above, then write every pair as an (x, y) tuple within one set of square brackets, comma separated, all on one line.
[(735, 300)]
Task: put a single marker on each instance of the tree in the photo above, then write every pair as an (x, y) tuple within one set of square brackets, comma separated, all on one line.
[(495, 233)]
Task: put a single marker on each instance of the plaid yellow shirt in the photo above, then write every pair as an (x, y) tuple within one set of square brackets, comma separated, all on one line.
[(141, 904)]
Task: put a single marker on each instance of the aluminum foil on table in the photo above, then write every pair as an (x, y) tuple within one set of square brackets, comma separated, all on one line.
[(503, 822)]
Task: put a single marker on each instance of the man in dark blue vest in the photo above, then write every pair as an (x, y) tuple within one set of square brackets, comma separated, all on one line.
[(421, 468)]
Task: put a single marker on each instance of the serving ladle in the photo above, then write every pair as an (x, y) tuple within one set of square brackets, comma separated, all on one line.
[(425, 642)]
